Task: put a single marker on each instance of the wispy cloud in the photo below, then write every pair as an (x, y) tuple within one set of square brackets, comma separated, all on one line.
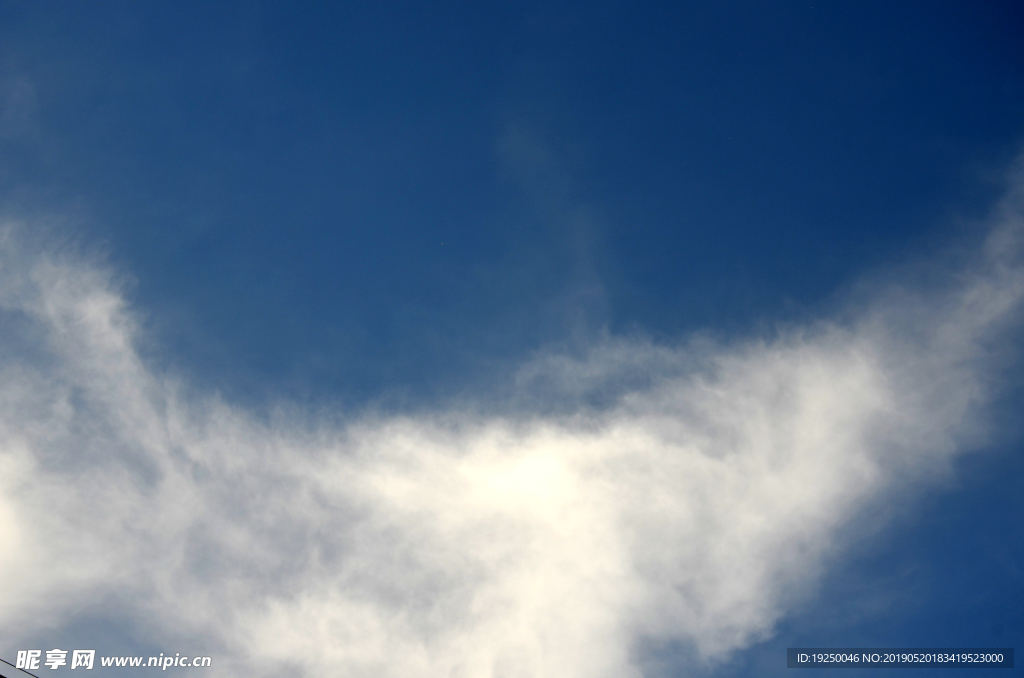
[(675, 493)]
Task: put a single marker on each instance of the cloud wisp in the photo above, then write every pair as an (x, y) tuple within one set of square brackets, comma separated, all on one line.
[(692, 507)]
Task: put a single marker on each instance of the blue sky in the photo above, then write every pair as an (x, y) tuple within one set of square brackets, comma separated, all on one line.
[(670, 267)]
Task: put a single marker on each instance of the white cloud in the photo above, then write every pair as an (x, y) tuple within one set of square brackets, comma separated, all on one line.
[(694, 504)]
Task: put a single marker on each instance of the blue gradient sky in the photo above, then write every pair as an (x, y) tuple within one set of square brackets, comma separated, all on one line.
[(329, 207)]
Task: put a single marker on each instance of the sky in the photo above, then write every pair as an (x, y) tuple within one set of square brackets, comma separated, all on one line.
[(590, 340)]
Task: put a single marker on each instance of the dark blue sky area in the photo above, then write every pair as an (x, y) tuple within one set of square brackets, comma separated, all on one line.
[(343, 199)]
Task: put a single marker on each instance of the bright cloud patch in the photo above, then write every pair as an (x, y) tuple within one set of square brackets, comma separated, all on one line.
[(459, 544)]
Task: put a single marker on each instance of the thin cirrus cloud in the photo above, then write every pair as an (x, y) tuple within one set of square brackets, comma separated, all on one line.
[(693, 506)]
